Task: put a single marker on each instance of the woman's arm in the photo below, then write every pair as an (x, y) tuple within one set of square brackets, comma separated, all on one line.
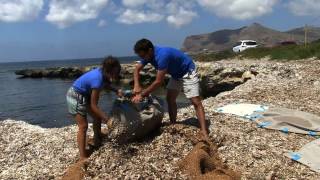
[(94, 100)]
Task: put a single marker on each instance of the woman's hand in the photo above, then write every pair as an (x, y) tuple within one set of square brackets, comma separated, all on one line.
[(119, 93), (106, 119)]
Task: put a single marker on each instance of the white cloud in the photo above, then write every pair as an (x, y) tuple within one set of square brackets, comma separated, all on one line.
[(181, 18), (151, 4), (64, 13), (239, 9), (113, 8), (19, 10), (177, 13), (130, 16), (305, 7), (102, 23), (180, 12), (134, 3), (175, 6)]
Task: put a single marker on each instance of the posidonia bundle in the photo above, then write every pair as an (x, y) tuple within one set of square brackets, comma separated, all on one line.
[(134, 121)]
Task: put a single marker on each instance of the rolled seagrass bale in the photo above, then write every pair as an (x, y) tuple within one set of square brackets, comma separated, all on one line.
[(132, 122), (204, 163)]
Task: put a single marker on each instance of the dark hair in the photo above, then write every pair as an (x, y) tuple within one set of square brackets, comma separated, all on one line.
[(108, 64), (143, 45)]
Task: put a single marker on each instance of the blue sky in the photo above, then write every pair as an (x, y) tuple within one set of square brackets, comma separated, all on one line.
[(68, 29)]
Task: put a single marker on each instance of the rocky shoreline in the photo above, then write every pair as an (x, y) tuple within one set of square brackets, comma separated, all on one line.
[(29, 152), (214, 78)]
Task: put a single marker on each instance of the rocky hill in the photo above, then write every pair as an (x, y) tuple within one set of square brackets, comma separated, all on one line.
[(225, 39), (313, 32)]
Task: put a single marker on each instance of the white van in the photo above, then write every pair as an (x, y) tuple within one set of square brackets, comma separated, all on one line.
[(243, 45)]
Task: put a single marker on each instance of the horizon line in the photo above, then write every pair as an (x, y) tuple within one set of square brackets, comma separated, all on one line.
[(66, 59)]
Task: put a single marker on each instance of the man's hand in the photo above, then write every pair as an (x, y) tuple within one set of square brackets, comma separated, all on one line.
[(137, 98), (137, 89)]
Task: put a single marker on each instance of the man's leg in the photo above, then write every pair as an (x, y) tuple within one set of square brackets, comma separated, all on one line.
[(81, 137), (191, 89), (172, 95), (196, 101)]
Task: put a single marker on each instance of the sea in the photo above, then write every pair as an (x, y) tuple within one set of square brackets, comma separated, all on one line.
[(42, 101)]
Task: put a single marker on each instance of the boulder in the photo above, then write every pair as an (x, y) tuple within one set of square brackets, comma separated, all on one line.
[(33, 73), (215, 81), (62, 72)]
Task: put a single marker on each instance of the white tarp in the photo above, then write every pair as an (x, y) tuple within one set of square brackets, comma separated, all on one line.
[(288, 120), (308, 155), (243, 110), (283, 119)]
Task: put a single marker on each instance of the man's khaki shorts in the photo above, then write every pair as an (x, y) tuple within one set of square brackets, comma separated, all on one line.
[(189, 83)]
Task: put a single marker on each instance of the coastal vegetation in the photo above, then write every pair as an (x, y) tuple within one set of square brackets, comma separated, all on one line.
[(289, 52)]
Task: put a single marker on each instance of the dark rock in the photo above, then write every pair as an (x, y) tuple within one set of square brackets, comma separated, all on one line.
[(222, 79), (36, 73), (213, 80)]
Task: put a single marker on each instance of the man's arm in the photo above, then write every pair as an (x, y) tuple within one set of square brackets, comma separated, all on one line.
[(136, 77), (94, 105), (157, 83), (161, 74)]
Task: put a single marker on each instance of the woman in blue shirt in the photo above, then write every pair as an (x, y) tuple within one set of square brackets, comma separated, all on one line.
[(83, 97)]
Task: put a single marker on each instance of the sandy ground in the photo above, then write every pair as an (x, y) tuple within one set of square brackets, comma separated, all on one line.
[(30, 152)]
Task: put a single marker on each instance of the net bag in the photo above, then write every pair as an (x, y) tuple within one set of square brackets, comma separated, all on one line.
[(134, 121)]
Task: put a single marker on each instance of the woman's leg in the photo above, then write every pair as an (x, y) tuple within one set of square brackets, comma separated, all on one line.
[(81, 137), (97, 136)]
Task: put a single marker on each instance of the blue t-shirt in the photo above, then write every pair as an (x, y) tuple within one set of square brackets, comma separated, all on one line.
[(173, 60), (88, 81)]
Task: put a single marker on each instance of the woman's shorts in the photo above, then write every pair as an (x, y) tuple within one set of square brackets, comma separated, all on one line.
[(77, 103)]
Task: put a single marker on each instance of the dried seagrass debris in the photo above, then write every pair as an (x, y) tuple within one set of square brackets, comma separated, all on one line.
[(30, 152)]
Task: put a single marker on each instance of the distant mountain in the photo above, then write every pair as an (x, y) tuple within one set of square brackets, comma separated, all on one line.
[(313, 32), (225, 39)]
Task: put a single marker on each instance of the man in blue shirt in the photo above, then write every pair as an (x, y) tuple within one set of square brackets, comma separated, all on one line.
[(183, 77)]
